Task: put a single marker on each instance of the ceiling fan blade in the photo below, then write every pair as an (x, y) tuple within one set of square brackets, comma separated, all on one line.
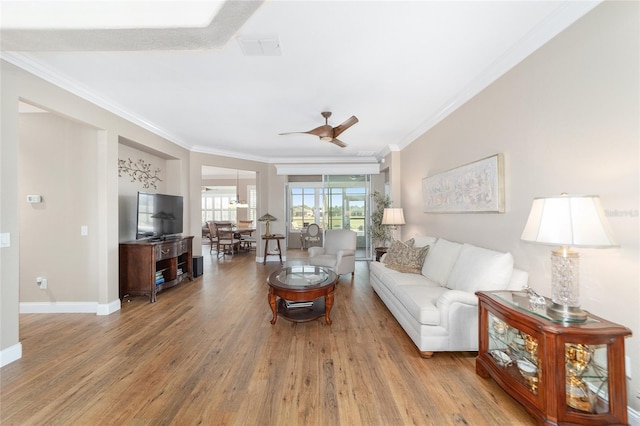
[(325, 131), (344, 126), (338, 142)]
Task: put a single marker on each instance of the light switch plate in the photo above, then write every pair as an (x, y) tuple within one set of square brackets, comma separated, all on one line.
[(5, 239)]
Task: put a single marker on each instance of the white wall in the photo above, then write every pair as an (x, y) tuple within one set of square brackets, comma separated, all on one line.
[(566, 119)]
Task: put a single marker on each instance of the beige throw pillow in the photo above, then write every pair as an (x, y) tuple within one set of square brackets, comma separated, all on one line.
[(395, 249), (403, 257)]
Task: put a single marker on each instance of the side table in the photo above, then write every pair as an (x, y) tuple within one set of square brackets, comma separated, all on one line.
[(268, 238), (380, 251)]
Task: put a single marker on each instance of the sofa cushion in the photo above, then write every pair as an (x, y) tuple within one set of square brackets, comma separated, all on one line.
[(440, 260), (391, 279), (480, 269), (420, 302), (420, 241)]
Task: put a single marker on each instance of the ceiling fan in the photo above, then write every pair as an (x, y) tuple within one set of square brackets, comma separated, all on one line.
[(329, 133)]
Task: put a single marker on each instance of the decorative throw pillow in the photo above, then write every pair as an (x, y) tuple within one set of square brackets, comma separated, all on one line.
[(396, 250), (408, 259)]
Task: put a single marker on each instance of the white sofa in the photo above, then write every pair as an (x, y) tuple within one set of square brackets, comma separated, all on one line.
[(438, 307)]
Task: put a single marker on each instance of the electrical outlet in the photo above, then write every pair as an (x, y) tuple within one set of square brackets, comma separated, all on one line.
[(627, 366), (42, 283)]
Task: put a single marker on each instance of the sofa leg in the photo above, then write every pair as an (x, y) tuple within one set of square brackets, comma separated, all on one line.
[(426, 354)]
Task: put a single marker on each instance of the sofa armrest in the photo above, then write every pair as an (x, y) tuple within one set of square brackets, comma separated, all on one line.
[(343, 253), (456, 296), (315, 251), (458, 313)]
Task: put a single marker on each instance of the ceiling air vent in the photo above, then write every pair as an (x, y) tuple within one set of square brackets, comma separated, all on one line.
[(267, 46)]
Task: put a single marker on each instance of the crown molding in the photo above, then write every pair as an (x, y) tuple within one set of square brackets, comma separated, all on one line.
[(24, 61)]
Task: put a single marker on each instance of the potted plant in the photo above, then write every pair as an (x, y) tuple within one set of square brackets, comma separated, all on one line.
[(380, 233)]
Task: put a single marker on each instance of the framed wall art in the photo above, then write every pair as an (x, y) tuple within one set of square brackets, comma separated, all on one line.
[(476, 187)]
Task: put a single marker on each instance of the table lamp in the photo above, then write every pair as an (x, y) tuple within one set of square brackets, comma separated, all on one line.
[(393, 217), (267, 218), (567, 221)]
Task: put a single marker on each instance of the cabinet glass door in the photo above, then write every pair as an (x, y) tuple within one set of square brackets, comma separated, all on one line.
[(587, 380), (515, 351)]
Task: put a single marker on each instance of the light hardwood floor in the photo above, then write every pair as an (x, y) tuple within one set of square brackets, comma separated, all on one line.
[(206, 354)]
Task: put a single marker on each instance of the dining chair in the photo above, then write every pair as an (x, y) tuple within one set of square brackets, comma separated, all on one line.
[(227, 241), (212, 234), (311, 235), (245, 223), (246, 230)]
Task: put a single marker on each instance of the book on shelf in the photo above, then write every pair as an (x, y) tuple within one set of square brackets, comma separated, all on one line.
[(293, 305)]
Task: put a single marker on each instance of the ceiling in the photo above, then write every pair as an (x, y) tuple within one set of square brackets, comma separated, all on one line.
[(229, 84)]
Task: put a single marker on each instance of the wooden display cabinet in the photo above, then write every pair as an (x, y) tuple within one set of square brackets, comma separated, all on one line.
[(562, 373), (148, 267)]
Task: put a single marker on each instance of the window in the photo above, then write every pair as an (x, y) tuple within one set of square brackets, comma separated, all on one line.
[(216, 204), (252, 197), (305, 205)]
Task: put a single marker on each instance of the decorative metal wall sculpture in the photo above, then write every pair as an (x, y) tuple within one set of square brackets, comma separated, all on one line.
[(139, 171)]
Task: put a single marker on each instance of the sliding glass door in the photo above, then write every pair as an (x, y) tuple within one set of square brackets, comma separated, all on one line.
[(347, 206), (338, 202)]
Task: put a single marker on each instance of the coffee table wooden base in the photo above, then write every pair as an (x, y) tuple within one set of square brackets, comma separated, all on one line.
[(322, 303)]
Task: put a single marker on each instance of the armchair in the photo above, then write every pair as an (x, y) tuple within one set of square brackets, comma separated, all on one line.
[(338, 253)]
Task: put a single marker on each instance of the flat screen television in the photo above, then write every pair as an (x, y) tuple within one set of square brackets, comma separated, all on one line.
[(159, 215)]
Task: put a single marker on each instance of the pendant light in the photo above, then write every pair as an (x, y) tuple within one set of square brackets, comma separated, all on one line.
[(237, 203)]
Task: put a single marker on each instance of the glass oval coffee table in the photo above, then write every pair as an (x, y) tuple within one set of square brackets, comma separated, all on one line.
[(302, 293)]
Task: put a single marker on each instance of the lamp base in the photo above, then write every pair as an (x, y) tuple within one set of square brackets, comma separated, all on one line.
[(566, 313)]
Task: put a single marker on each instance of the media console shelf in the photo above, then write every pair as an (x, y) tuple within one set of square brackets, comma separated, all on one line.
[(562, 373), (148, 267)]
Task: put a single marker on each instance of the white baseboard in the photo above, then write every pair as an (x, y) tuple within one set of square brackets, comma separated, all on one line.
[(10, 354), (69, 307), (109, 308), (634, 417)]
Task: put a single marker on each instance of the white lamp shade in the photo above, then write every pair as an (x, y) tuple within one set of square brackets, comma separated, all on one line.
[(393, 216), (568, 220)]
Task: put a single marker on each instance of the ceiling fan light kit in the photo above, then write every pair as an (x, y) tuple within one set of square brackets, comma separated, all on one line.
[(328, 133)]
